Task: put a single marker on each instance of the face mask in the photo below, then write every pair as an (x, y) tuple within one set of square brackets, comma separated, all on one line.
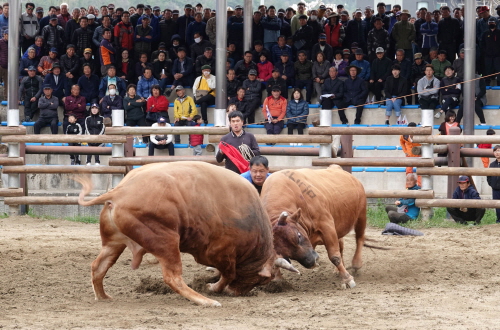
[(322, 43), (314, 17), (197, 40), (112, 91), (492, 26), (175, 43), (206, 73)]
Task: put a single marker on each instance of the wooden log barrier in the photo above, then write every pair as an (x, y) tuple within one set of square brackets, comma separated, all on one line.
[(273, 169), (132, 161), (463, 139), (379, 161), (289, 151), (459, 171), (59, 138), (19, 130), (43, 200), (68, 150), (427, 194), (457, 203), (71, 169), (11, 192), (166, 130), (370, 130), (437, 148), (6, 161), (464, 152), (282, 138)]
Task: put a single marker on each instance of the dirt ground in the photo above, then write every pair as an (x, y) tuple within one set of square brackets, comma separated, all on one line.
[(448, 278)]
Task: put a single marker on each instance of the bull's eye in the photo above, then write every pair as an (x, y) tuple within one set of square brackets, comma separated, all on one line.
[(299, 235)]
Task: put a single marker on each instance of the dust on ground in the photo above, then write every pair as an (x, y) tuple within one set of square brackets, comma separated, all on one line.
[(448, 278)]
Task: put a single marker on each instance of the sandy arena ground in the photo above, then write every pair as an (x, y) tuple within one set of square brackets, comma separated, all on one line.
[(448, 278)]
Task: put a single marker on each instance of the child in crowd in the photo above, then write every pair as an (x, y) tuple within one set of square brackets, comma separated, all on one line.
[(486, 160), (73, 128), (94, 125), (196, 140)]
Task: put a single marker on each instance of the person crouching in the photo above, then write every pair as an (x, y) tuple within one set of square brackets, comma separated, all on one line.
[(464, 214), (161, 141), (405, 208)]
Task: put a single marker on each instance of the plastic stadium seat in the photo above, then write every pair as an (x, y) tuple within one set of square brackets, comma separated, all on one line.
[(372, 106), (396, 169), (375, 169), (4, 102), (495, 88), (181, 146), (387, 148), (358, 169), (411, 106), (366, 147), (488, 87), (255, 126), (314, 106), (482, 127), (491, 107)]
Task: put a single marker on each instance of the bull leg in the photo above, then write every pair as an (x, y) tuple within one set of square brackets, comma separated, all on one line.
[(357, 261), (332, 245), (226, 277), (106, 258)]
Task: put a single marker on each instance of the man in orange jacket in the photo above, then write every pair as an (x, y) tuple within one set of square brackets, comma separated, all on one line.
[(407, 144), (274, 111)]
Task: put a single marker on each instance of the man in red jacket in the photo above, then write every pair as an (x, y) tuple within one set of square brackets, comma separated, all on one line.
[(274, 110)]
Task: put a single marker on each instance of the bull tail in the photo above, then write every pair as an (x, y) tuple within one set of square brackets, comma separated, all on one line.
[(86, 182), (374, 246)]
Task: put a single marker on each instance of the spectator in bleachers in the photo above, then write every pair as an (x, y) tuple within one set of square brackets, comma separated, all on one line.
[(53, 35), (320, 73), (94, 125), (74, 128), (25, 63), (106, 51), (47, 104), (483, 23), (242, 105), (487, 146), (111, 78), (335, 32), (272, 28), (176, 44), (378, 37), (45, 20), (294, 21), (146, 82), (417, 69), (286, 68), (419, 40), (480, 100), (89, 85), (379, 71), (196, 29), (37, 46), (355, 31), (440, 63), (73, 24), (340, 64), (87, 58), (274, 111), (429, 31), (123, 34), (316, 26), (355, 92), (459, 64), (428, 89), (253, 95), (196, 140), (161, 141), (30, 91), (257, 28), (405, 65), (490, 49), (297, 111), (139, 11), (29, 26), (207, 58), (286, 29), (143, 38), (82, 37), (142, 64), (433, 54), (303, 74), (449, 34), (304, 36), (64, 16), (182, 70), (243, 67), (344, 17), (70, 66), (363, 64), (168, 28), (184, 110), (450, 93), (162, 70), (232, 84), (449, 122), (76, 105), (277, 80), (111, 101), (57, 82), (258, 49), (385, 19), (323, 47), (334, 87), (133, 105), (230, 108), (199, 45), (264, 70), (157, 105), (403, 33), (99, 30), (235, 27), (204, 91), (396, 86), (279, 49)]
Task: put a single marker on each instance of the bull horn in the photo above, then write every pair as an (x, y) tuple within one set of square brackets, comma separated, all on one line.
[(282, 263), (282, 219)]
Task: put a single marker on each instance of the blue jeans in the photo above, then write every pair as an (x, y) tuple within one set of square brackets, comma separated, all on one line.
[(389, 105)]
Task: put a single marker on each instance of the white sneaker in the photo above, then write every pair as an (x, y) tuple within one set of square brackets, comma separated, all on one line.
[(293, 144), (97, 164), (482, 124), (438, 115), (298, 144), (88, 164)]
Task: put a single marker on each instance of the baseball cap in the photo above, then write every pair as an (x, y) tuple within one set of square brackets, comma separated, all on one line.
[(31, 68), (162, 120), (56, 65), (252, 72), (463, 178), (47, 86), (322, 7), (87, 51), (322, 36), (156, 8), (379, 50), (354, 45), (175, 11), (358, 10), (39, 9), (206, 67), (462, 50), (238, 7), (90, 16), (186, 6), (276, 70), (344, 12), (492, 19), (359, 51), (94, 105), (70, 46), (179, 87), (346, 52), (417, 55), (54, 50), (53, 17), (111, 6), (276, 88)]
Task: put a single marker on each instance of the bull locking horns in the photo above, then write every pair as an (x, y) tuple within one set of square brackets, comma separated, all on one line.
[(282, 263), (282, 219)]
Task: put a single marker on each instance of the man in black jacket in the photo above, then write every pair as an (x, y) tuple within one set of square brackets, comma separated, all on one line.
[(490, 49), (277, 80), (449, 34), (494, 181), (303, 37), (334, 87), (70, 66), (379, 71), (355, 92)]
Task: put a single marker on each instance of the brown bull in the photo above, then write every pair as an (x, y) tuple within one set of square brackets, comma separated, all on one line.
[(201, 209), (312, 207)]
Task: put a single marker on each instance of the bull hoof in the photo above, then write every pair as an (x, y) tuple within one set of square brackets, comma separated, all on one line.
[(212, 303), (211, 269), (350, 285), (104, 298)]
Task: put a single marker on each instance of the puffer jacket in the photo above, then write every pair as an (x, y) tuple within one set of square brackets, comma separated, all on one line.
[(133, 109), (53, 36), (303, 71), (30, 87), (412, 211), (297, 109), (82, 38), (70, 64), (377, 38), (143, 44), (184, 107), (144, 86), (195, 139), (320, 70), (124, 36), (108, 105), (4, 53)]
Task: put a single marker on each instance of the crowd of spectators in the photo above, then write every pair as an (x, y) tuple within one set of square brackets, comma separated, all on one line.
[(134, 58)]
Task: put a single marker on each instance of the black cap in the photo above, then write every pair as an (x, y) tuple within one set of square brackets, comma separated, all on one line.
[(303, 17), (463, 178), (53, 17), (276, 88)]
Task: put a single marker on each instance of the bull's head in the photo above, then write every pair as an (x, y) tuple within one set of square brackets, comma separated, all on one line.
[(291, 240)]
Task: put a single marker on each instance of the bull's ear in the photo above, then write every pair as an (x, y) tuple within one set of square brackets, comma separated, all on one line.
[(297, 214), (265, 271), (282, 219)]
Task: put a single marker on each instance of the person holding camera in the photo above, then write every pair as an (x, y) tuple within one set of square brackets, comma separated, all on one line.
[(161, 141)]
